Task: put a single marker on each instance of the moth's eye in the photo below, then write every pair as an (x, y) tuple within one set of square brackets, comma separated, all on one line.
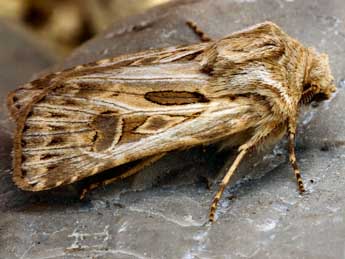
[(320, 97)]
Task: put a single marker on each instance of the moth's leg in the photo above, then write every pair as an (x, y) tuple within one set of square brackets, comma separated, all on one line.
[(134, 170), (202, 35), (225, 182), (292, 158), (255, 140)]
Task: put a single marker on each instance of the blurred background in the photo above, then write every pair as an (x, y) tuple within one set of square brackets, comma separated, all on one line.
[(65, 24)]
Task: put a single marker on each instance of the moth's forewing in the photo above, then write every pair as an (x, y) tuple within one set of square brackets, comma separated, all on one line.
[(79, 122)]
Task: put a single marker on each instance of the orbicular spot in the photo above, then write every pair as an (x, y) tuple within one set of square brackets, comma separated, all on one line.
[(175, 97), (158, 123), (108, 129)]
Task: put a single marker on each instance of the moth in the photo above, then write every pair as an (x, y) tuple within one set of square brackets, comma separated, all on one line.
[(245, 88)]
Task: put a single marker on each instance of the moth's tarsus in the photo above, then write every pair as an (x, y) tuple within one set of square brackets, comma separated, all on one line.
[(243, 90), (293, 161), (226, 181), (198, 31)]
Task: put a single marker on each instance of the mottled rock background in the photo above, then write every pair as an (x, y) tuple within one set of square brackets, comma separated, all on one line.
[(162, 212)]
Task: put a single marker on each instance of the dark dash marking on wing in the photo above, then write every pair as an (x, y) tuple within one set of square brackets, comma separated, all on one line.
[(175, 97)]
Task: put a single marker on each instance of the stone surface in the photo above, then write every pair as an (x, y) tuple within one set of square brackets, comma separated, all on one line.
[(163, 215), (21, 57)]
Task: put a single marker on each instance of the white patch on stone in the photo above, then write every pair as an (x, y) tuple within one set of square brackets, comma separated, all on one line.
[(267, 226)]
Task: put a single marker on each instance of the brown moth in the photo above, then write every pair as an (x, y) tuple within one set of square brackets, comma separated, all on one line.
[(81, 121)]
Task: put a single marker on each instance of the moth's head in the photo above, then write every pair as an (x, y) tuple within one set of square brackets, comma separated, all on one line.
[(319, 82)]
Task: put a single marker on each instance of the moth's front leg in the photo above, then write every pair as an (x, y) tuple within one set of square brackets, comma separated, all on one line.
[(224, 183), (202, 35), (292, 156), (270, 130)]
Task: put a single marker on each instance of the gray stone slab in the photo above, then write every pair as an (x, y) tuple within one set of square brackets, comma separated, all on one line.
[(162, 212), (21, 57)]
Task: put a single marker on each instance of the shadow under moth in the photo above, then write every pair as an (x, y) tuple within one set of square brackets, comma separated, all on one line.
[(247, 87)]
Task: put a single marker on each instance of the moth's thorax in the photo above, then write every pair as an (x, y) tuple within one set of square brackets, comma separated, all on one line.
[(295, 62), (273, 67)]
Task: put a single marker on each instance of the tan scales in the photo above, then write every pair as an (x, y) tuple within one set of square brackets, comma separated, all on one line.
[(81, 121)]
